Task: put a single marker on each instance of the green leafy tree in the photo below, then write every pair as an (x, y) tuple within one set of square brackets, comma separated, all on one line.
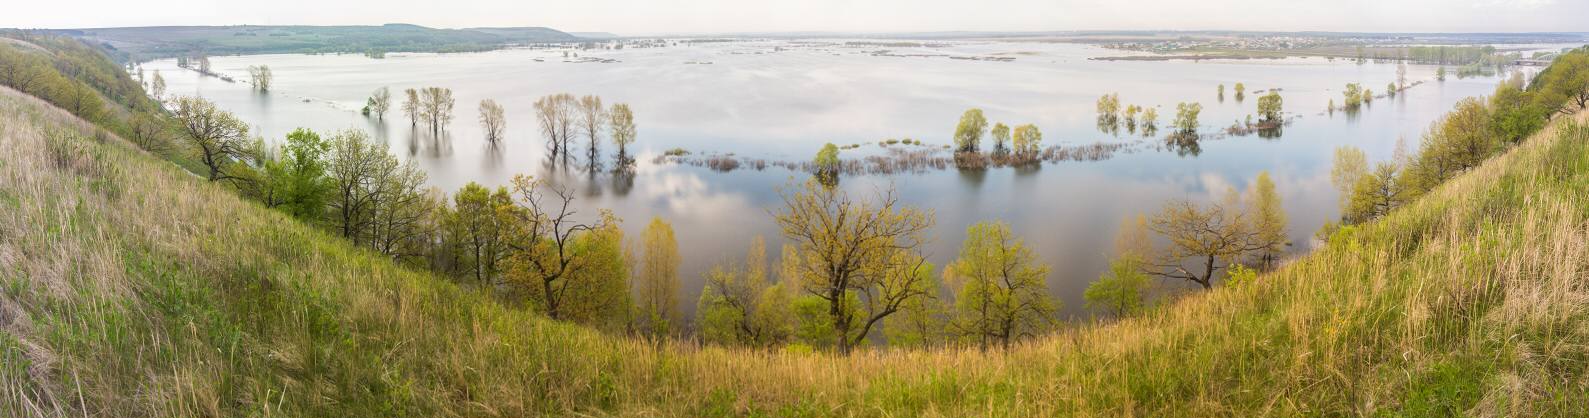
[(620, 123), (1120, 290), (1350, 165), (1563, 88), (1186, 117), (1109, 107), (1353, 96), (1270, 106), (658, 284), (1001, 138), (827, 164), (921, 322), (968, 133), (1003, 290), (1269, 221), (1028, 141), (482, 221), (304, 162), (727, 310), (1375, 194)]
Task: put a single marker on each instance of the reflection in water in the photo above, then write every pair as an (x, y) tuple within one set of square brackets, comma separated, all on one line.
[(493, 156), (592, 186), (433, 144), (1109, 125), (1027, 170), (1271, 133), (379, 130), (731, 108), (623, 180), (973, 177), (1184, 144)]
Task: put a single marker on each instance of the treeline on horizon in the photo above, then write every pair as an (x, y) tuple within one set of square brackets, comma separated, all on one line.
[(146, 43), (852, 269)]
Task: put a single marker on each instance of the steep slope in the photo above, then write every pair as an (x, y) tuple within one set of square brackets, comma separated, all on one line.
[(129, 287)]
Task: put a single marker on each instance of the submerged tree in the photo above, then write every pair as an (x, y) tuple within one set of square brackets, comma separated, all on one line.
[(968, 133), (827, 165), (591, 116), (620, 122), (861, 258), (1028, 142), (556, 116), (1186, 117), (1001, 138), (1270, 107), (436, 105), (1002, 288), (493, 120), (1108, 107), (412, 106), (379, 102), (261, 77), (1353, 96)]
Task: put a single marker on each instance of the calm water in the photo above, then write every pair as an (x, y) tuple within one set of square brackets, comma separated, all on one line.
[(782, 100)]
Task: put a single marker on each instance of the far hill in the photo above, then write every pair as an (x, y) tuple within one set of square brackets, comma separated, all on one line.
[(138, 43)]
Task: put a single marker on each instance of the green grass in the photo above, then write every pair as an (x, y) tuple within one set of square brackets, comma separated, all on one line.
[(129, 287)]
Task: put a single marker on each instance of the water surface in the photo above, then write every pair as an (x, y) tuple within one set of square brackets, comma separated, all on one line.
[(781, 100)]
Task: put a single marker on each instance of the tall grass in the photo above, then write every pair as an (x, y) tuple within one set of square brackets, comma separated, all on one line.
[(128, 287)]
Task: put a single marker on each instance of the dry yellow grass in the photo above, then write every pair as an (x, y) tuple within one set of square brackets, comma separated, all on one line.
[(131, 288)]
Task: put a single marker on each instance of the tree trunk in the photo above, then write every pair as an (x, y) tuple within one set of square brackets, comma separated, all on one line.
[(1208, 274)]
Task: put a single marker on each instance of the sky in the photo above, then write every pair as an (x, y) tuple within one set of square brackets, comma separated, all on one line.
[(647, 17)]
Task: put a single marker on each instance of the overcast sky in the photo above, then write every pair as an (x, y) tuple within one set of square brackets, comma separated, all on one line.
[(635, 17)]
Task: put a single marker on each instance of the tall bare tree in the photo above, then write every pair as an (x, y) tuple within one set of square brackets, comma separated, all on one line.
[(379, 102), (492, 119), (261, 77), (411, 106), (556, 116), (545, 254), (591, 116), (1208, 238), (436, 105)]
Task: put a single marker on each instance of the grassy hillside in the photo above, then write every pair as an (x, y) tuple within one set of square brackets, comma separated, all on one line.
[(141, 43), (129, 287)]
